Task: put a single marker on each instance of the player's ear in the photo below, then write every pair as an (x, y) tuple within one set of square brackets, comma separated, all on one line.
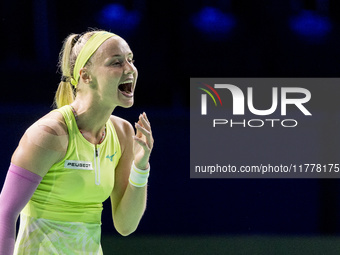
[(85, 75)]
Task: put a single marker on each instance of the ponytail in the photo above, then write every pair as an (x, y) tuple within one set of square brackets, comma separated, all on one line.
[(72, 46), (65, 94)]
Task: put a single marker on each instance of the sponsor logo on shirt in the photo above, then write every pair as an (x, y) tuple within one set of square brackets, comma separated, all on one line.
[(80, 165), (111, 157)]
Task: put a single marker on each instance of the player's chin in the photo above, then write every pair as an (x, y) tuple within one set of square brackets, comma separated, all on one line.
[(126, 100), (127, 104)]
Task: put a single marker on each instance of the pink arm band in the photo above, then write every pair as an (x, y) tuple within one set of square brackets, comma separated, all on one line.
[(18, 189)]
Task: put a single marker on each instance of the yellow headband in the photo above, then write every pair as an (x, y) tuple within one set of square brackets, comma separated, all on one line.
[(87, 51)]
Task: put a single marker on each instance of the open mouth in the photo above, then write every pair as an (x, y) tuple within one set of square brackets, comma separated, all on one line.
[(126, 88)]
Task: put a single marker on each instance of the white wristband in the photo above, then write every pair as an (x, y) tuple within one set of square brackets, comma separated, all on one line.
[(139, 177)]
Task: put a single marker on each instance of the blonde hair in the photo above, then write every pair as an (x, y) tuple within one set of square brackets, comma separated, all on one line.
[(65, 93)]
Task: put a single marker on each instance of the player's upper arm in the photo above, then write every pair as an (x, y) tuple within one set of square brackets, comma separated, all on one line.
[(43, 144), (125, 132)]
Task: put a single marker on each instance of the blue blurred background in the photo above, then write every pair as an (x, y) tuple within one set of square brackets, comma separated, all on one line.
[(173, 41)]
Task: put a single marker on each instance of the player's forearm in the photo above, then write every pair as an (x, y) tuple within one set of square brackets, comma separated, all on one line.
[(18, 188), (7, 232), (130, 209)]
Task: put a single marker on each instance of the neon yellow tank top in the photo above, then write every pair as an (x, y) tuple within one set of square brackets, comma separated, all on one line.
[(74, 188)]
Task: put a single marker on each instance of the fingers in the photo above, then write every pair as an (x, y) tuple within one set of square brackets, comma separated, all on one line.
[(144, 144), (144, 121), (144, 128), (147, 135), (143, 141), (143, 125), (146, 118)]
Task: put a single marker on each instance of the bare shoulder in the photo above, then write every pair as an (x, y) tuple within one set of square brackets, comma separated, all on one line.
[(121, 125), (53, 123), (123, 128), (44, 143), (49, 132)]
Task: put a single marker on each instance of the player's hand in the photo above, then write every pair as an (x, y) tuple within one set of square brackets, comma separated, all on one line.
[(143, 142)]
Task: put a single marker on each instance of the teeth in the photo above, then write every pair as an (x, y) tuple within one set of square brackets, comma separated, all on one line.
[(128, 81)]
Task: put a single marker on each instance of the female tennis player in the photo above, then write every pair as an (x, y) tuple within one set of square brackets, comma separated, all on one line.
[(75, 157)]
